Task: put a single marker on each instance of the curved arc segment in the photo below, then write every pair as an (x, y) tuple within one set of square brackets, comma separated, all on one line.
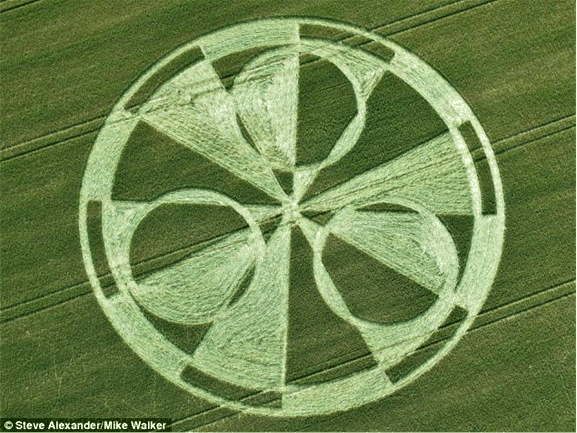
[(389, 342)]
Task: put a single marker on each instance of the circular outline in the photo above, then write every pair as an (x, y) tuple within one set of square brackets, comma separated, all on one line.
[(99, 156), (448, 287), (188, 197)]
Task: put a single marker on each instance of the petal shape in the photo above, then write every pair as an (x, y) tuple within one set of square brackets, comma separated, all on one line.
[(415, 245), (372, 290), (266, 97), (406, 242), (198, 285)]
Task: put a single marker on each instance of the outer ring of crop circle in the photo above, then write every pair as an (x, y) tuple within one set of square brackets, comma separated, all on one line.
[(119, 108)]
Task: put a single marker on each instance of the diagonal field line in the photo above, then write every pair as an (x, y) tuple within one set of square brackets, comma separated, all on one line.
[(514, 142), (487, 318), (71, 292), (9, 5), (94, 124)]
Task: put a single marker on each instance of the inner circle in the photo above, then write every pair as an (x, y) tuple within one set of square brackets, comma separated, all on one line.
[(173, 300)]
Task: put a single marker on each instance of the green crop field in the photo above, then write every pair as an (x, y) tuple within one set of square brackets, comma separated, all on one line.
[(388, 161)]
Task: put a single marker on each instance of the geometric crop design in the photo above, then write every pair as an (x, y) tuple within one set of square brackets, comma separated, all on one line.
[(285, 217)]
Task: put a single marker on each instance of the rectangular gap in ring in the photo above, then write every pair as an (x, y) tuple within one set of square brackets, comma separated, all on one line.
[(379, 50), (323, 32), (470, 136), (350, 39), (483, 169), (489, 203)]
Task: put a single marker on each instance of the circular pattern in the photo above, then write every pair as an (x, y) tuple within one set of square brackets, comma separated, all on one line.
[(309, 189)]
